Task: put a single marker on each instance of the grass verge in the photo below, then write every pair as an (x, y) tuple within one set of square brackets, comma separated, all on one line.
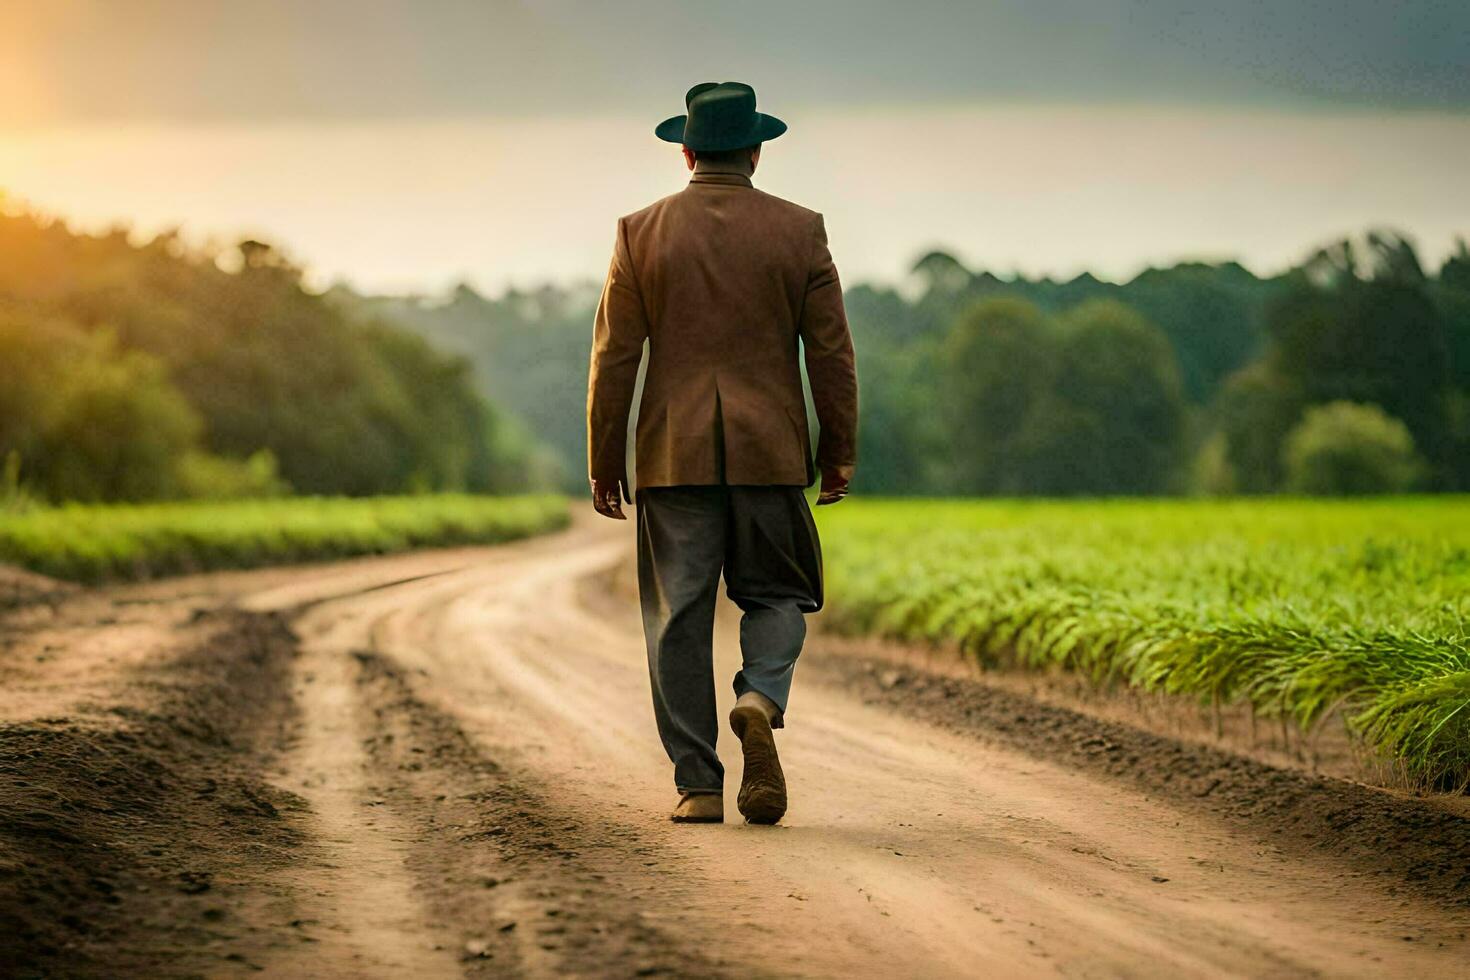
[(94, 543)]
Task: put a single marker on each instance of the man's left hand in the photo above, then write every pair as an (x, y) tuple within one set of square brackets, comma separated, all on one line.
[(607, 499)]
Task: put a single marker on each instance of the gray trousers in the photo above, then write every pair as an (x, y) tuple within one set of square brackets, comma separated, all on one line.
[(765, 542)]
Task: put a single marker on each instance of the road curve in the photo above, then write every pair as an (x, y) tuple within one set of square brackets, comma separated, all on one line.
[(908, 851)]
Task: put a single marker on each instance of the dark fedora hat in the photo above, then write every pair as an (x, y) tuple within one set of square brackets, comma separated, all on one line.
[(721, 116)]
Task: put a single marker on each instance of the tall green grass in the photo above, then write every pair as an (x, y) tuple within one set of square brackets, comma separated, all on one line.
[(95, 543), (1303, 609)]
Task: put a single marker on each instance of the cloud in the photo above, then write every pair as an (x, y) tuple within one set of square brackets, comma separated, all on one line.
[(208, 59)]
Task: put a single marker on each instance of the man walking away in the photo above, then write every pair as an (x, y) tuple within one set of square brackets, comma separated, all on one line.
[(727, 285)]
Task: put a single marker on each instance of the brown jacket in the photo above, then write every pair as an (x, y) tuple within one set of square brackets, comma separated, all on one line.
[(722, 280)]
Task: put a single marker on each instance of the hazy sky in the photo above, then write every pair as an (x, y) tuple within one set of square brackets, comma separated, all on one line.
[(407, 144)]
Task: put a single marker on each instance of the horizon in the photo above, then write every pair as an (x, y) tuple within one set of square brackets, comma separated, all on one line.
[(14, 206), (1163, 187)]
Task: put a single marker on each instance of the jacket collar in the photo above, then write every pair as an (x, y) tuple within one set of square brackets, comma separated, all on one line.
[(717, 177)]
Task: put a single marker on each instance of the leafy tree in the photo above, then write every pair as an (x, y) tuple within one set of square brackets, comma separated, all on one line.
[(1457, 437), (902, 440), (1382, 340), (1089, 404), (1454, 307), (1455, 273), (86, 421), (1346, 448), (1255, 410), (996, 364), (261, 363), (1452, 292), (1119, 400), (1211, 315), (901, 434), (528, 354), (1392, 257), (942, 272)]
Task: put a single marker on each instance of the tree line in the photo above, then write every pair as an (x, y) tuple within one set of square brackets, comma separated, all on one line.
[(1347, 373), (135, 371)]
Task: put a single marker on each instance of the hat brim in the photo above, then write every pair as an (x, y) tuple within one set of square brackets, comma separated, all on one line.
[(766, 128)]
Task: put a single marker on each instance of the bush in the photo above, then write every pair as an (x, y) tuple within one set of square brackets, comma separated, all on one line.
[(204, 476), (1345, 448)]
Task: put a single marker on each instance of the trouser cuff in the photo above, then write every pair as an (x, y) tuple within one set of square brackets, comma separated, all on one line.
[(742, 686)]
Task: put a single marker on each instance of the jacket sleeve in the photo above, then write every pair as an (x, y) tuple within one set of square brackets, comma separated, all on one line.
[(618, 333), (829, 358)]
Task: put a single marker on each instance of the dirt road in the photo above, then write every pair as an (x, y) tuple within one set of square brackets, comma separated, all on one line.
[(445, 763)]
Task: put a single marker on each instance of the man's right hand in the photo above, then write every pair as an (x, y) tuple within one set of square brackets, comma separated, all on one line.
[(607, 499), (834, 484)]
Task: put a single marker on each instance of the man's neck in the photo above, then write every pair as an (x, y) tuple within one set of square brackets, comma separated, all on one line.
[(743, 170)]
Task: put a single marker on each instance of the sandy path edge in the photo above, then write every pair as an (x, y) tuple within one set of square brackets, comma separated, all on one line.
[(1416, 844), (137, 832)]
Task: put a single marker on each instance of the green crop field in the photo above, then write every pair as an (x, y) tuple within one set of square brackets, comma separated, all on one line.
[(1305, 610), (94, 543)]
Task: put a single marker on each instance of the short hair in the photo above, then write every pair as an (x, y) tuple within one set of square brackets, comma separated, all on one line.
[(738, 155)]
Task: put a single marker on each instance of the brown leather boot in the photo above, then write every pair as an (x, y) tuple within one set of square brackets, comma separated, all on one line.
[(699, 808), (762, 797)]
